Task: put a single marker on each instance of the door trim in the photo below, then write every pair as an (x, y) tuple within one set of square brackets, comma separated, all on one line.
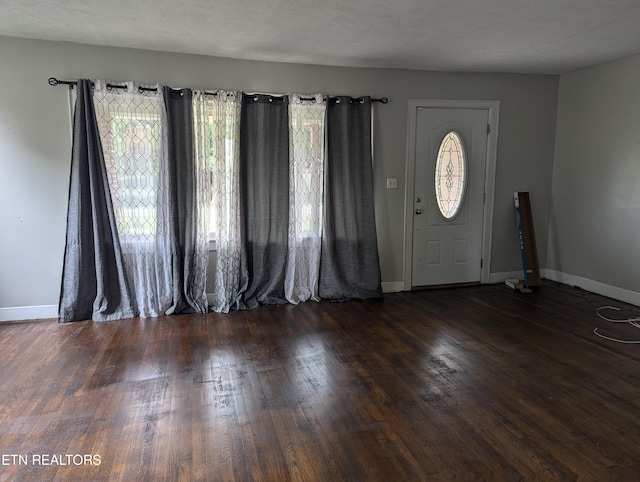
[(493, 109)]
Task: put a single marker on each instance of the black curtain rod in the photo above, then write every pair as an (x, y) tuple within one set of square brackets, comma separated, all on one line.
[(54, 82)]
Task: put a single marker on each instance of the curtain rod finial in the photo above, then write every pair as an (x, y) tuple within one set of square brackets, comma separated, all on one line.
[(53, 81)]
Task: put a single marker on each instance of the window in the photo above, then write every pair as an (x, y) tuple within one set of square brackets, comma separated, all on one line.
[(131, 130), (223, 131), (306, 169), (217, 123), (450, 175), (131, 135)]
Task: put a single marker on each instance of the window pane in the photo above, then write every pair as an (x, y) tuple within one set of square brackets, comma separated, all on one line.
[(130, 130), (450, 175), (306, 169)]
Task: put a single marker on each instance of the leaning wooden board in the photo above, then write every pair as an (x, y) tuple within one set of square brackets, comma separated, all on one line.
[(527, 237)]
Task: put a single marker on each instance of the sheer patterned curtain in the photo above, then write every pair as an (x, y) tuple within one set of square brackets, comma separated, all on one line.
[(133, 134), (306, 183), (217, 121)]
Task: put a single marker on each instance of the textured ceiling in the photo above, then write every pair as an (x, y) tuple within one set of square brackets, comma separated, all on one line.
[(538, 36)]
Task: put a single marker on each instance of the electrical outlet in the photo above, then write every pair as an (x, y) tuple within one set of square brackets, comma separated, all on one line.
[(392, 183)]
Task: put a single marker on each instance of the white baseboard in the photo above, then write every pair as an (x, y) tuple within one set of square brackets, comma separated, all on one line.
[(614, 292), (19, 313), (392, 286)]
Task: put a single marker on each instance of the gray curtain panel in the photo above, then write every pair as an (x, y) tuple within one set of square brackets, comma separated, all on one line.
[(183, 202), (349, 264), (264, 198), (94, 283)]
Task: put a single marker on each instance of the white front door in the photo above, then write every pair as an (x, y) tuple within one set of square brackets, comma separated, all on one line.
[(447, 237)]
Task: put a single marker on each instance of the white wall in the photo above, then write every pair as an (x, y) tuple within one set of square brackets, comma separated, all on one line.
[(35, 144), (594, 235), (34, 176)]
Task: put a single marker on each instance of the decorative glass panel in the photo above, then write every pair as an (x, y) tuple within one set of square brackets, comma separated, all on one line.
[(451, 175)]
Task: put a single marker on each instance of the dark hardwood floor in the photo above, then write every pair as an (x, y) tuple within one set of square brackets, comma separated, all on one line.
[(479, 383)]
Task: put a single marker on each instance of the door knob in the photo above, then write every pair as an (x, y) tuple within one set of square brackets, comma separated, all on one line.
[(418, 211)]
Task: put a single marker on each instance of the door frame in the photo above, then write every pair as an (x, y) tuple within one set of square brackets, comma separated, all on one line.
[(493, 109)]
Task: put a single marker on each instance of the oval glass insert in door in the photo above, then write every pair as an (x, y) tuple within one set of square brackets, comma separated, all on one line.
[(451, 175)]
